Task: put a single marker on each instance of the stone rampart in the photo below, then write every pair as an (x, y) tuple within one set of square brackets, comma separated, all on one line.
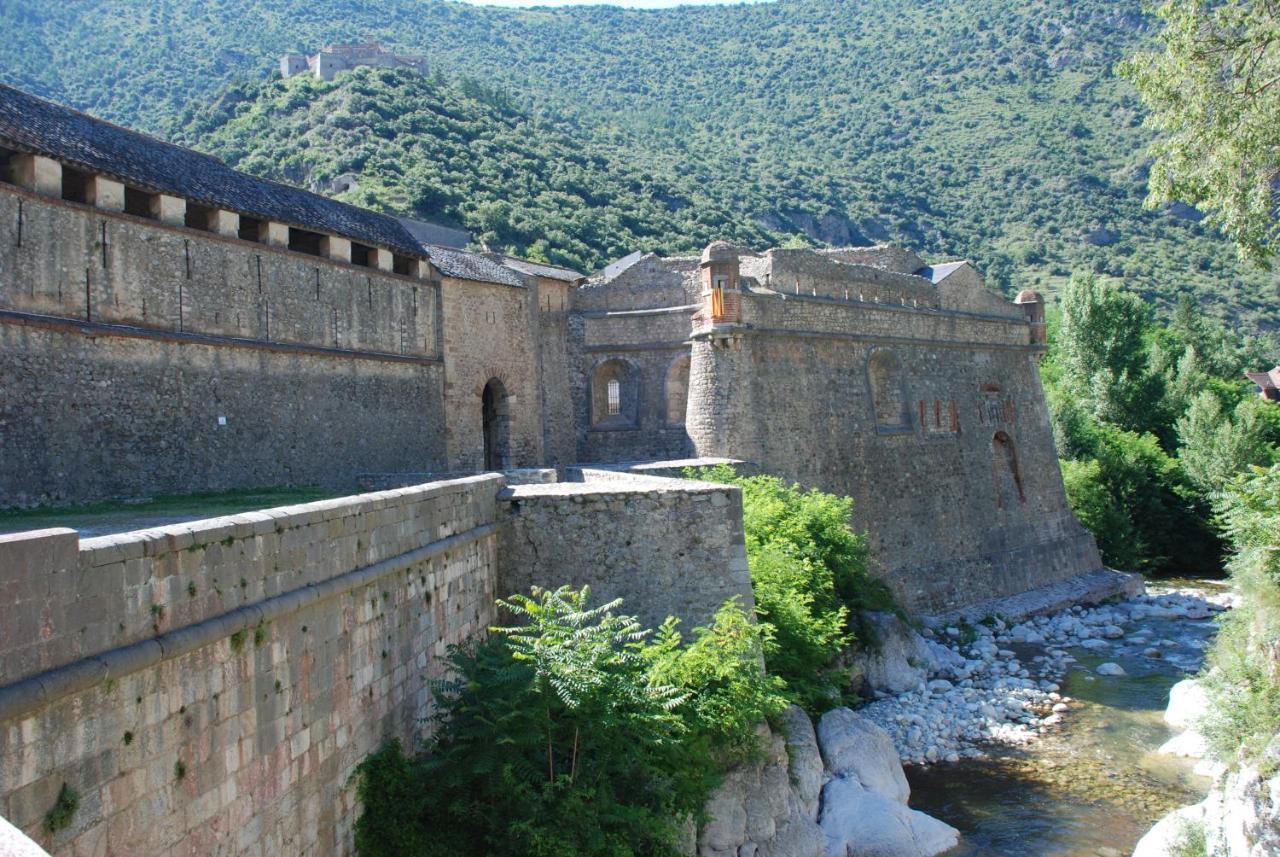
[(668, 547), (210, 687), (934, 422), (74, 261), (807, 273), (144, 359)]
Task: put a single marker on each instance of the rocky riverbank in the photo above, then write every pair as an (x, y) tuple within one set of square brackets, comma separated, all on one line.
[(958, 694), (993, 682), (1240, 817)]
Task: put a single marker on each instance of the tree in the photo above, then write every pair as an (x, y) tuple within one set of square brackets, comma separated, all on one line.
[(1216, 446), (1214, 94), (1101, 353)]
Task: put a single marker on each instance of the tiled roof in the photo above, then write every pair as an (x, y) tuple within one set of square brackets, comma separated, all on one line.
[(937, 273), (537, 269), (1266, 380), (471, 266), (41, 127)]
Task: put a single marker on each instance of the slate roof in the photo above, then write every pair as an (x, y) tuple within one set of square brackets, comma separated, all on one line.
[(471, 266), (41, 127), (434, 233), (937, 273), (537, 269)]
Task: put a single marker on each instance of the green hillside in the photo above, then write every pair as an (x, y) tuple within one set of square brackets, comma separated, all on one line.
[(446, 151), (991, 129)]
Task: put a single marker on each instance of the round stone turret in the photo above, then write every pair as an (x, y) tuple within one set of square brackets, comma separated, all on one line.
[(720, 288), (720, 251), (1032, 304)]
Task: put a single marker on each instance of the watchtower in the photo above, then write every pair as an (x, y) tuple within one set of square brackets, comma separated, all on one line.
[(721, 284)]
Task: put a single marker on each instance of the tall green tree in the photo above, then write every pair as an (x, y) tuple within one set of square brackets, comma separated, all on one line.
[(1101, 353), (1214, 94), (1216, 445)]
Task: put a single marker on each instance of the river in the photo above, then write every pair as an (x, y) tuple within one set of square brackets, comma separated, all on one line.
[(1094, 784)]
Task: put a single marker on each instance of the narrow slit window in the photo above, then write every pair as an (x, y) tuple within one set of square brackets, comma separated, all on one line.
[(615, 397)]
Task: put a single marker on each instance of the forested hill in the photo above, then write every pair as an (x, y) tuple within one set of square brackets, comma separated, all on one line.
[(992, 129), (445, 151)]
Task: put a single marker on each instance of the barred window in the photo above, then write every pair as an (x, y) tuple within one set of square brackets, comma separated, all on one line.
[(615, 397)]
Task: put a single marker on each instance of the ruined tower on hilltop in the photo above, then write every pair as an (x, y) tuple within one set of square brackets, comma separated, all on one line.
[(335, 58)]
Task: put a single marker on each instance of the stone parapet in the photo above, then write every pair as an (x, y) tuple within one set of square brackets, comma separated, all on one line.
[(197, 684)]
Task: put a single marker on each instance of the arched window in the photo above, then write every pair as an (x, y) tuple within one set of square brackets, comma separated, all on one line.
[(615, 394), (1005, 472), (888, 392), (677, 390)]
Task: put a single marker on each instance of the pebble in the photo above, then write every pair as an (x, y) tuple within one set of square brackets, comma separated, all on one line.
[(987, 695)]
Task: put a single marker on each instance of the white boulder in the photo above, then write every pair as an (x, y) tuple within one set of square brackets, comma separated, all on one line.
[(859, 822), (854, 746), (1170, 834), (1188, 702)]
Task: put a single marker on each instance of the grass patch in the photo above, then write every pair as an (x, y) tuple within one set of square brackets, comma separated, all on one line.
[(64, 809), (121, 515)]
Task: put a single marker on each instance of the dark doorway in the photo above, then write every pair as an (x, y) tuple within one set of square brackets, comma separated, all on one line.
[(493, 405)]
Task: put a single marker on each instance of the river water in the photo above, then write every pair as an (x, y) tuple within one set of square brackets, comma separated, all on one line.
[(1095, 784)]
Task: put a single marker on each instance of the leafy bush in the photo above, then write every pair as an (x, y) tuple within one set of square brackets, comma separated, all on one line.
[(809, 576), (722, 673), (1101, 513), (571, 734)]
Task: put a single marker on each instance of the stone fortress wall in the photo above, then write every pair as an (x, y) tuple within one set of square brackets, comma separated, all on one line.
[(913, 390), (138, 358), (210, 687)]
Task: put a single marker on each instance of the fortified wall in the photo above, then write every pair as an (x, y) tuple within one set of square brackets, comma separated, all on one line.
[(913, 389), (209, 688), (169, 325)]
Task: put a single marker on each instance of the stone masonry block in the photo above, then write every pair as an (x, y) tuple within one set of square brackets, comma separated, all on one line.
[(38, 173), (337, 249), (381, 259), (225, 223), (38, 552), (171, 210), (277, 234), (104, 193)]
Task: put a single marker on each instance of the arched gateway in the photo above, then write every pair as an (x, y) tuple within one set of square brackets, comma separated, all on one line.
[(496, 421)]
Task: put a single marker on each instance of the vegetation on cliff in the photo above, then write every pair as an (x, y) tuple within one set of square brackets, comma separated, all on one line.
[(578, 731), (449, 151), (1152, 419), (809, 576), (990, 129), (1243, 669)]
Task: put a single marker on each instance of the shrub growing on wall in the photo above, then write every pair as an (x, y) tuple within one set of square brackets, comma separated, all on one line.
[(572, 734)]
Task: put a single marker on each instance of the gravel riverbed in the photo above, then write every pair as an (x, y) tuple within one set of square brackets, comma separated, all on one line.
[(995, 683)]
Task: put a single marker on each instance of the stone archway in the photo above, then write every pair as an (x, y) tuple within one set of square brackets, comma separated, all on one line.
[(496, 421)]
